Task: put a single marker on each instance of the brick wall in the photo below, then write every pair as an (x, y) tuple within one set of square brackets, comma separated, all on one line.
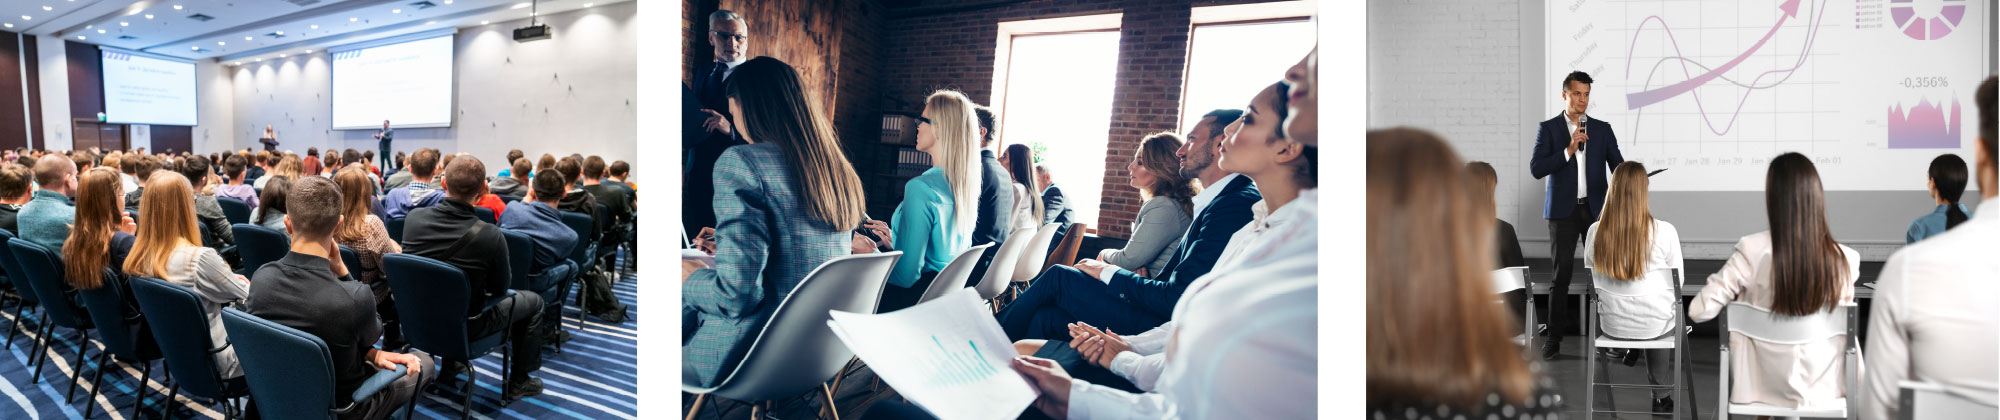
[(950, 45)]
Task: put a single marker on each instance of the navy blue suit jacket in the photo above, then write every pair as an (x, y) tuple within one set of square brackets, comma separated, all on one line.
[(1200, 247), (1600, 152)]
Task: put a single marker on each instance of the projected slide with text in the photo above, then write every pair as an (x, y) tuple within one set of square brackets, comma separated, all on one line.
[(408, 83), (145, 90)]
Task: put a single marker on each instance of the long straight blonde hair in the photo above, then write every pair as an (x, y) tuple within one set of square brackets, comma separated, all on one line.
[(957, 131), (1625, 232), (166, 223)]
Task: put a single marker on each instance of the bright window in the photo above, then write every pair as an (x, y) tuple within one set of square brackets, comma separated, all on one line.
[(1057, 92), (1228, 62)]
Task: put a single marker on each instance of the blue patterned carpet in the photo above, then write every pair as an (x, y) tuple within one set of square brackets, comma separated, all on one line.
[(595, 377)]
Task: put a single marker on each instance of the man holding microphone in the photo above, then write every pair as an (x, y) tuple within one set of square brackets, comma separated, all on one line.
[(1580, 153), (383, 138)]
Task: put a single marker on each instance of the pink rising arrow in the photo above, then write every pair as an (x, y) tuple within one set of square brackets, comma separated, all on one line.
[(1641, 99)]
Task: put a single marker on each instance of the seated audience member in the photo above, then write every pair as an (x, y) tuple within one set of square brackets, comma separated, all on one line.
[(786, 203), (330, 164), (102, 238), (311, 290), (400, 202), (310, 165), (45, 220), (368, 159), (1507, 246), (1166, 214), (1027, 209), (537, 217), (232, 168), (1436, 340), (615, 198), (259, 163), (508, 172), (546, 163), (996, 199), (1794, 269), (1052, 199), (516, 185), (1119, 299), (1933, 318), (617, 174), (16, 188), (285, 166), (128, 167), (195, 169), (116, 162), (169, 248), (270, 211), (934, 222), (435, 232), (580, 200), (1627, 244), (142, 170), (401, 178), (361, 230), (1947, 184)]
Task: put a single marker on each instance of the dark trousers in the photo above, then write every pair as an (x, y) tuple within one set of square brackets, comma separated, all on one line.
[(896, 298), (1564, 234), (1063, 295), (388, 159), (522, 316)]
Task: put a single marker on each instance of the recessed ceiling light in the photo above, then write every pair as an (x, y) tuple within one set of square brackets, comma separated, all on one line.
[(447, 1), (79, 37), (431, 22), (47, 8), (520, 5), (196, 48), (281, 56), (177, 7), (100, 31), (588, 4), (315, 26), (124, 23), (352, 19), (483, 22), (309, 51), (89, 26), (246, 38), (149, 15), (260, 60), (396, 11), (10, 25), (220, 43), (280, 32), (26, 17)]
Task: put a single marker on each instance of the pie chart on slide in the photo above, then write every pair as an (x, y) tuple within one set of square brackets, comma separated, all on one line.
[(1927, 19)]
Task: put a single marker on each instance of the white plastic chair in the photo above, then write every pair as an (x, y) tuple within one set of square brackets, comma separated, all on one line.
[(954, 275), (1036, 255), (1516, 278), (794, 351), (1661, 281), (1929, 401), (1761, 325), (1000, 272)]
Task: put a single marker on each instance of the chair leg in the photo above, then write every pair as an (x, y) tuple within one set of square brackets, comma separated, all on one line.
[(696, 409), (96, 385), (20, 311), (173, 398), (145, 378), (829, 401), (465, 392), (41, 350), (76, 368)]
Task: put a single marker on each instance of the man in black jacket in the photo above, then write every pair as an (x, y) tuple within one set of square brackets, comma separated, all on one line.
[(450, 232), (996, 197), (1053, 210), (730, 35), (597, 290)]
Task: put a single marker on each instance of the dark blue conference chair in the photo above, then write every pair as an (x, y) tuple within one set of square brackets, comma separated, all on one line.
[(23, 289), (234, 209), (486, 215), (258, 245), (395, 228), (181, 328), (351, 259), (580, 255), (124, 332), (431, 302), (291, 372), (59, 304), (520, 263)]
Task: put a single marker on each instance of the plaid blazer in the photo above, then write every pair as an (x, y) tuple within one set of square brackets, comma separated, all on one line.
[(765, 245)]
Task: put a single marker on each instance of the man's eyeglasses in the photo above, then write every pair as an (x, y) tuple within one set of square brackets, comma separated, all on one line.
[(730, 36), (922, 120)]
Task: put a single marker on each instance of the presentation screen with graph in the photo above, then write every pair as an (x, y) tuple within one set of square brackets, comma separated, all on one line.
[(1871, 90)]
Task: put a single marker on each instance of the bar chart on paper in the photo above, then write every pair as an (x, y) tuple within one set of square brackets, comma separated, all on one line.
[(947, 355), (1715, 88)]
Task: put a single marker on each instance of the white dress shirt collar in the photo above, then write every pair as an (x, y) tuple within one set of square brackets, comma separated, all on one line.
[(1208, 193)]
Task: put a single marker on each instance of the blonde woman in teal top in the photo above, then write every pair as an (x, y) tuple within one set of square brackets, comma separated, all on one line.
[(934, 222)]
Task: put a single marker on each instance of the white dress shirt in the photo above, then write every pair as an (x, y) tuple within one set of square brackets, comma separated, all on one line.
[(730, 67), (1581, 156), (1243, 339), (1934, 319), (1023, 215), (1649, 316)]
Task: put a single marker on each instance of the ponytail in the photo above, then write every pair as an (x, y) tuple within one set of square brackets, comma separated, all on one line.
[(1948, 173)]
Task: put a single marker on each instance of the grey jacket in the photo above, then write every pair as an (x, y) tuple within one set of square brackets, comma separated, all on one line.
[(1159, 228)]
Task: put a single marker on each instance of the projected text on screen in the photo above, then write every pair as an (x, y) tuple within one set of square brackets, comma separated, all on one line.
[(146, 90), (407, 83)]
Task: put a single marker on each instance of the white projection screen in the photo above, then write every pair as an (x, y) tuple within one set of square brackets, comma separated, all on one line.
[(1871, 90), (407, 82), (141, 89)]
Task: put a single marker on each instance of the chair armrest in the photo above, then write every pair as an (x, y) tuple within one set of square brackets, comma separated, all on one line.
[(491, 302), (374, 384)]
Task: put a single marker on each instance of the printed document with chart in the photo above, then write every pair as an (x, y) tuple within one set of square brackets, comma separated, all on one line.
[(947, 356)]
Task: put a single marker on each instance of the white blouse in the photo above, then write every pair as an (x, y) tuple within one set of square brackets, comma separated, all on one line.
[(1023, 216), (1650, 315), (202, 268), (1807, 376)]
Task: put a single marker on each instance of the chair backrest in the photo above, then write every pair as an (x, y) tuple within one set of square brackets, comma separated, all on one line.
[(181, 328), (234, 209), (1065, 253), (208, 237), (520, 252), (395, 228), (953, 275), (581, 224), (509, 199), (350, 258), (1510, 279), (1929, 401), (1761, 325), (485, 214), (997, 277), (795, 351), (431, 301), (258, 245), (290, 372), (1654, 282), (44, 268), (109, 312), (1032, 258), (22, 286)]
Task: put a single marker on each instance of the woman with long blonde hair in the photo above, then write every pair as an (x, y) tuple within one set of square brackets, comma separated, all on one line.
[(1627, 245), (169, 248), (934, 222), (1168, 209)]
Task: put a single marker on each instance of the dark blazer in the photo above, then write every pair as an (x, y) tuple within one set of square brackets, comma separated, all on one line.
[(1600, 152), (698, 194), (996, 202), (430, 232), (1053, 209), (1508, 246), (1199, 249)]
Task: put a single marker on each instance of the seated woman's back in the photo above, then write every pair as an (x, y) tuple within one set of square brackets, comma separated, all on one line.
[(1632, 257), (169, 248)]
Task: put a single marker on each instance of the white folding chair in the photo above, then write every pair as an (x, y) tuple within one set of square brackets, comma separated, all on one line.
[(1000, 272), (1654, 282), (1034, 256), (1516, 278), (1929, 401), (954, 274), (1759, 324)]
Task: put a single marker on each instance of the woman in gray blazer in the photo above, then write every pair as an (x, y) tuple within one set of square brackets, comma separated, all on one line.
[(784, 205), (1167, 213)]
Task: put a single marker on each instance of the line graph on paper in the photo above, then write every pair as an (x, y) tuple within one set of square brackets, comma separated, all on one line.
[(1721, 86)]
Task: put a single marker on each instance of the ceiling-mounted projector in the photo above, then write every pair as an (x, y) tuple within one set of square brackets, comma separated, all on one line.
[(531, 33)]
